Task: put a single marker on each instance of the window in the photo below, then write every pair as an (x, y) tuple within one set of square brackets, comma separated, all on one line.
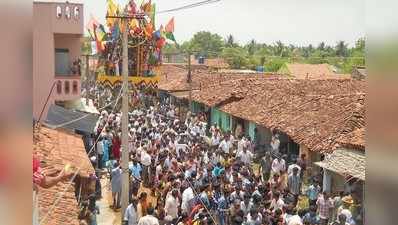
[(67, 88), (74, 87), (67, 12), (59, 12), (59, 87), (62, 61), (76, 12)]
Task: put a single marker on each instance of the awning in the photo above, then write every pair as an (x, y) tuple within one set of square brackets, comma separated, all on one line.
[(71, 119), (180, 94), (345, 162)]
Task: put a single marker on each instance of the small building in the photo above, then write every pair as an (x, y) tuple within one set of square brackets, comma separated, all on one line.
[(311, 71), (359, 73), (309, 115), (57, 33), (55, 149)]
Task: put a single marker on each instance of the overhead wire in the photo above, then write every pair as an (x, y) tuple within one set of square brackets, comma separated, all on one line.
[(193, 5), (57, 200)]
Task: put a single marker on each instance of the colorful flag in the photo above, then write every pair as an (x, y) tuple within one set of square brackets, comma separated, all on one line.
[(170, 26), (147, 7), (157, 34), (100, 32), (90, 25), (170, 36), (148, 30), (115, 32)]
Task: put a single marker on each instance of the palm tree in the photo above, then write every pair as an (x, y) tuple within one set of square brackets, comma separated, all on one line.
[(341, 49), (251, 47), (230, 41), (321, 46), (279, 47)]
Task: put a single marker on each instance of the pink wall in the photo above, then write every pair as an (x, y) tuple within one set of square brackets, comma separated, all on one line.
[(50, 32)]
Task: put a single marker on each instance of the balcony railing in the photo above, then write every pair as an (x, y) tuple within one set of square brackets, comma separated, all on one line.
[(67, 86)]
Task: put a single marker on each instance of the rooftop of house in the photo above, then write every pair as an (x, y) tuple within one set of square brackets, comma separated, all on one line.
[(174, 77), (315, 113), (55, 149), (314, 71)]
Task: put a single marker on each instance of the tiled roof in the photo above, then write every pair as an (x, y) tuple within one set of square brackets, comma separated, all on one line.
[(55, 149), (314, 71), (174, 78), (312, 112), (354, 139), (218, 63), (345, 163)]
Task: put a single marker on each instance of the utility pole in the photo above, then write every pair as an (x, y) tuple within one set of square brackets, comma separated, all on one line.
[(190, 80), (125, 109), (87, 78)]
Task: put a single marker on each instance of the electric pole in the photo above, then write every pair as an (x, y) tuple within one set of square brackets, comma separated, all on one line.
[(87, 75), (125, 109), (190, 81)]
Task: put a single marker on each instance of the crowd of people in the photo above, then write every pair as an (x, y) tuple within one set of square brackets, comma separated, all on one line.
[(184, 172)]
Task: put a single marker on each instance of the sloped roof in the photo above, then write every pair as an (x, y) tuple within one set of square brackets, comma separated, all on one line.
[(314, 71), (218, 63), (55, 149), (354, 139), (174, 78), (59, 115), (312, 112), (345, 162)]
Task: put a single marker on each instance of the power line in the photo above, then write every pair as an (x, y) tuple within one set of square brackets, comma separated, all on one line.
[(78, 168), (193, 5)]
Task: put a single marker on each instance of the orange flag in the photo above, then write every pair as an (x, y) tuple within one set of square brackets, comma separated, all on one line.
[(170, 26)]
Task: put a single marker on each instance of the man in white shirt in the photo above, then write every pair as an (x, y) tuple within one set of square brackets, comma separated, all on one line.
[(187, 197), (241, 144), (275, 143), (294, 165), (149, 219), (100, 152), (171, 205), (245, 156), (278, 165), (226, 145), (130, 216), (146, 162), (277, 202)]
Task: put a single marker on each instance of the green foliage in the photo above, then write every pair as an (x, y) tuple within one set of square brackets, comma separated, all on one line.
[(205, 44), (274, 64), (235, 57), (272, 56)]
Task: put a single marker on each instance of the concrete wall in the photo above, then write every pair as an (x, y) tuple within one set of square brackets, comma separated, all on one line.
[(50, 32), (63, 25), (43, 58)]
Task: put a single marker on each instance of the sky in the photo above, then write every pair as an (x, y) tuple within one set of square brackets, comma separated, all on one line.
[(299, 22)]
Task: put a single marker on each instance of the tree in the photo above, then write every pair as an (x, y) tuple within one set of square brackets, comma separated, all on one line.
[(235, 57), (321, 46), (278, 48), (341, 49), (251, 47), (231, 41), (206, 44)]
